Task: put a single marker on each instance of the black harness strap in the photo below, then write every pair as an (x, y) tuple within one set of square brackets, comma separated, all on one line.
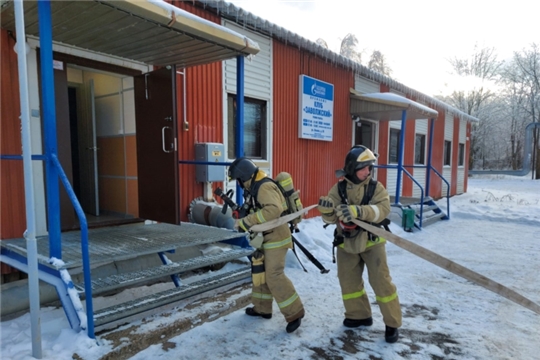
[(369, 191)]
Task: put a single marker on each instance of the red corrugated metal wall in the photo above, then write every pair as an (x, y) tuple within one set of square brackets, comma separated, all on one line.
[(455, 160), (467, 149), (437, 155), (204, 105), (12, 208), (311, 163)]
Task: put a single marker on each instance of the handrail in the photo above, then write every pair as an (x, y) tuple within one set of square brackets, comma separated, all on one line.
[(84, 245), (447, 191), (413, 179), (421, 195)]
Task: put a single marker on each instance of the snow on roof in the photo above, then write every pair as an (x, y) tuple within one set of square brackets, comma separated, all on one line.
[(254, 22)]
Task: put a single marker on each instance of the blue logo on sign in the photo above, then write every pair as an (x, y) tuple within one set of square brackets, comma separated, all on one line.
[(318, 90)]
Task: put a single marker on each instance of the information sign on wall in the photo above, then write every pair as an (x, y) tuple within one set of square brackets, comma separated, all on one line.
[(316, 118)]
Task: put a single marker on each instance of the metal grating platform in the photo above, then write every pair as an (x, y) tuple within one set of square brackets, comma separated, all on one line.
[(124, 242), (123, 280), (143, 304)]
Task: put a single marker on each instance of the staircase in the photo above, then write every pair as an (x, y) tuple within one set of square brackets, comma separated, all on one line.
[(132, 244), (426, 213)]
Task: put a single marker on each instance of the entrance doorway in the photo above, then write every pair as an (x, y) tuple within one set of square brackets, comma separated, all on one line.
[(103, 146)]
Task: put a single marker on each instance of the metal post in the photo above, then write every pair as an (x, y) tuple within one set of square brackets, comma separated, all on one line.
[(239, 135), (30, 234), (400, 153), (49, 126), (430, 150)]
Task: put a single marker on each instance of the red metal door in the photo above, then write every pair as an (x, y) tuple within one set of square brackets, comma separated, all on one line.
[(157, 164)]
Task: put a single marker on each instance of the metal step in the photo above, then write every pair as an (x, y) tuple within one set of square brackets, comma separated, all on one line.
[(432, 219), (129, 279), (427, 208), (143, 304)]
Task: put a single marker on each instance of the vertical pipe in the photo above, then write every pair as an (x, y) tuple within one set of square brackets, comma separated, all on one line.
[(30, 234), (49, 126), (430, 150), (400, 154), (239, 135)]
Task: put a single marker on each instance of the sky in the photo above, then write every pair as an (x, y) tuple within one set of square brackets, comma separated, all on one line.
[(494, 230), (417, 37)]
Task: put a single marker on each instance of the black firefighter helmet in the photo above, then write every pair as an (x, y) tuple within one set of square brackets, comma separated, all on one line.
[(357, 158), (242, 169)]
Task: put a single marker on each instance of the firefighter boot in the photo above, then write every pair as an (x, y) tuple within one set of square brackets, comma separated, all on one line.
[(251, 312), (391, 334), (352, 323)]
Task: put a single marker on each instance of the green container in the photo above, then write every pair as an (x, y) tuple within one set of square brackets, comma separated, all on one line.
[(407, 219)]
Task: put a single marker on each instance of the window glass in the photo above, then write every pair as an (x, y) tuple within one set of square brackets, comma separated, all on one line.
[(461, 155), (394, 146), (447, 152), (254, 127), (420, 149)]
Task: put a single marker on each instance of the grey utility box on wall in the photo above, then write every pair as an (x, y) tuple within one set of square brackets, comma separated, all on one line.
[(209, 152)]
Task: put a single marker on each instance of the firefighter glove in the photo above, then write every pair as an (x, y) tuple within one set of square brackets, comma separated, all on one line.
[(346, 213), (326, 206), (239, 225)]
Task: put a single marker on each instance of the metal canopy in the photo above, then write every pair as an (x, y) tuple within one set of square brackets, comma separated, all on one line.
[(154, 33), (387, 106)]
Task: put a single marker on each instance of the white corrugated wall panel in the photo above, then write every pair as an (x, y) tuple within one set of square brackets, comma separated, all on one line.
[(460, 186), (365, 86), (448, 135), (257, 70), (391, 174), (257, 84), (421, 126)]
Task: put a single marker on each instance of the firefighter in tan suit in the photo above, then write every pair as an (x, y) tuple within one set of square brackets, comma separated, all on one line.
[(267, 203), (357, 248)]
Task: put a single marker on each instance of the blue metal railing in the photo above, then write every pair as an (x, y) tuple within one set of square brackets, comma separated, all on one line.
[(84, 234), (422, 192), (84, 244)]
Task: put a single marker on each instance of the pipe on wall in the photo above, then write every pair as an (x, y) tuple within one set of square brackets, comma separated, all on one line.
[(210, 213)]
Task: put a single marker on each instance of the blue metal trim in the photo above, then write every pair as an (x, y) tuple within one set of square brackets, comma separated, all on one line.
[(84, 244), (400, 154), (239, 136), (204, 162), (50, 276), (49, 126), (20, 157), (174, 277)]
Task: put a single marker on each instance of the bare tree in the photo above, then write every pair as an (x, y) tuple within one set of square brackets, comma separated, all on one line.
[(525, 71), (321, 42), (484, 68), (348, 48), (377, 62)]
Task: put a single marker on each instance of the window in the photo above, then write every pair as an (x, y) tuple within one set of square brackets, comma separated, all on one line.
[(447, 152), (364, 134), (255, 144), (461, 155), (394, 146), (420, 149)]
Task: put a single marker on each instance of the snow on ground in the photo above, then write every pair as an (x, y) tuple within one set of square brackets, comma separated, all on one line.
[(494, 230)]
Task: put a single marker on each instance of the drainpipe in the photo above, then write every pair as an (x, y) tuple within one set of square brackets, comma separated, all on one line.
[(239, 136), (526, 157), (30, 233)]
